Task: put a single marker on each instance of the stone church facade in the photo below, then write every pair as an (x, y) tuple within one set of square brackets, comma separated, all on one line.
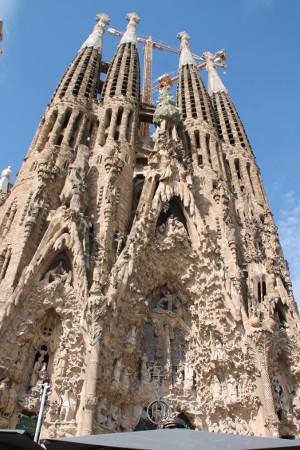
[(121, 254)]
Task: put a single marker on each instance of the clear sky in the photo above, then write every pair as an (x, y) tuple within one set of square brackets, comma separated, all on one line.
[(261, 38)]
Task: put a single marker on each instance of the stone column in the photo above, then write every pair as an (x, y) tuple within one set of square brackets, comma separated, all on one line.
[(89, 400), (70, 128), (271, 417)]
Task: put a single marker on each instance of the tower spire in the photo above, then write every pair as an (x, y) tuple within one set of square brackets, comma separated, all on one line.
[(186, 56), (130, 33), (215, 84), (95, 39)]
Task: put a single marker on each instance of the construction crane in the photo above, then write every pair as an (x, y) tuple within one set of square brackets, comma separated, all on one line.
[(1, 33), (219, 57), (149, 44)]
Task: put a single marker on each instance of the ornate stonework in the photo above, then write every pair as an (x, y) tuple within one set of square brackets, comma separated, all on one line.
[(121, 258)]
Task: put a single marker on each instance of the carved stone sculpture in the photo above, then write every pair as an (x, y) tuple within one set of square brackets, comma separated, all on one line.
[(6, 175)]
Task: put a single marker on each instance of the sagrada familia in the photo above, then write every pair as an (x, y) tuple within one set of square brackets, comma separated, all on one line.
[(123, 257)]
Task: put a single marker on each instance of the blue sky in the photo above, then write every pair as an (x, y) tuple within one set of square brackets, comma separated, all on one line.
[(261, 38)]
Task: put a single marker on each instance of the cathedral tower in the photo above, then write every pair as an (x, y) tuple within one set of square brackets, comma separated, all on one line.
[(125, 260)]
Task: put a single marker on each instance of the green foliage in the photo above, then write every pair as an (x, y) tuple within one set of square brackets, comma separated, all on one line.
[(27, 422)]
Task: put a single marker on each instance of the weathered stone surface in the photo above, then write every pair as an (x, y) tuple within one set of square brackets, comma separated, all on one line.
[(120, 256)]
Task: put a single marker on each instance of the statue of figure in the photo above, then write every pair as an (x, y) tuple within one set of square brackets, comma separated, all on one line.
[(52, 413), (117, 371), (100, 417), (179, 381), (113, 417), (68, 406), (218, 354), (62, 362), (232, 388), (4, 389), (35, 372), (145, 375), (57, 273), (126, 379), (5, 176), (216, 388), (131, 336)]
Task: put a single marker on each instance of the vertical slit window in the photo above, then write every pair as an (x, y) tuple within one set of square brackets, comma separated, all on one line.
[(207, 138), (188, 139), (259, 291), (249, 175), (197, 139), (237, 168), (75, 129), (67, 118), (129, 126)]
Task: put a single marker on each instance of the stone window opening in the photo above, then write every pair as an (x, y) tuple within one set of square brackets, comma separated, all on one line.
[(264, 289), (200, 159), (119, 116), (82, 73), (50, 126), (227, 168), (92, 133), (69, 78), (107, 120), (126, 75), (237, 168), (188, 140), (59, 139), (129, 126), (207, 140), (259, 291), (197, 138), (174, 209), (67, 118), (75, 129), (135, 90), (116, 72), (280, 312)]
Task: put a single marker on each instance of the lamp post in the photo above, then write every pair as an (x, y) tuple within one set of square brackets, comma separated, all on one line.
[(45, 387)]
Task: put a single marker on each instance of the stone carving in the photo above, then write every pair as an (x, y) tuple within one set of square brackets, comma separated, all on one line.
[(62, 362), (216, 389), (39, 368), (232, 389), (68, 406), (73, 194), (6, 175)]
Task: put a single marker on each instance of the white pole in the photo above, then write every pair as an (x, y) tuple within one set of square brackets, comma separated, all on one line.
[(40, 417)]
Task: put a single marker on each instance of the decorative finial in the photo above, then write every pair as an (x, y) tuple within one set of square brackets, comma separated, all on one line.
[(166, 106), (186, 56), (95, 39), (214, 84), (130, 33)]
